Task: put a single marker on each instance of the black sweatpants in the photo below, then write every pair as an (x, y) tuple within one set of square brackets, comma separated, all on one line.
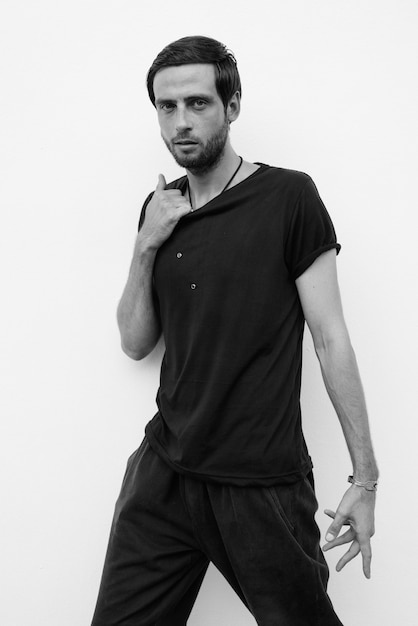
[(168, 527)]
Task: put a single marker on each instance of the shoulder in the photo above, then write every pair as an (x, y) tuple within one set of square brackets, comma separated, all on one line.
[(284, 185), (179, 183), (285, 177)]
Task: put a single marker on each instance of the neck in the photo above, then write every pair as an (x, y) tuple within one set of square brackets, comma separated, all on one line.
[(204, 187)]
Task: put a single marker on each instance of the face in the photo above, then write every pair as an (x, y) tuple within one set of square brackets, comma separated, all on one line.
[(193, 120)]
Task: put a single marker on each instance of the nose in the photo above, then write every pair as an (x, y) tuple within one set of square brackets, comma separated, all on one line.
[(183, 121)]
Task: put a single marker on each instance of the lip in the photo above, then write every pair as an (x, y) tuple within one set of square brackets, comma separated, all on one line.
[(186, 142)]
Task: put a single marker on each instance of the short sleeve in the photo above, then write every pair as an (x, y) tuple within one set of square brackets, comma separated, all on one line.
[(311, 231), (143, 210)]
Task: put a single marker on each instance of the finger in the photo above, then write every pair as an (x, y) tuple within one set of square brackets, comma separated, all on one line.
[(162, 183), (332, 514), (334, 530), (367, 567), (351, 553), (179, 206), (348, 536), (366, 554)]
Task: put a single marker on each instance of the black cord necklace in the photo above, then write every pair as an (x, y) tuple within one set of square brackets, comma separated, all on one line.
[(224, 189)]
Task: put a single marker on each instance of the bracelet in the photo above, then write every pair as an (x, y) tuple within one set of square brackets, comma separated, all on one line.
[(369, 485)]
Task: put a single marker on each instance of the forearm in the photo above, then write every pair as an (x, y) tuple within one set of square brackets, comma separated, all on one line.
[(342, 381), (137, 319)]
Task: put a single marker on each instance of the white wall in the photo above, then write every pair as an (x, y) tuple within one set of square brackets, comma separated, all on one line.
[(329, 87)]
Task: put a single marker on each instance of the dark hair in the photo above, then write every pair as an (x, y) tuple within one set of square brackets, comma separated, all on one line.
[(199, 49)]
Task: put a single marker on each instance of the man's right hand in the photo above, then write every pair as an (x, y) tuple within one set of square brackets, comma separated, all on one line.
[(163, 212)]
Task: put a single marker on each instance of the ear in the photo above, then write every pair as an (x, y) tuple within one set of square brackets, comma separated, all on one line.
[(234, 107)]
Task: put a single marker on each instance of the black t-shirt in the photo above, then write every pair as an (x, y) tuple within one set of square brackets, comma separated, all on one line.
[(232, 322)]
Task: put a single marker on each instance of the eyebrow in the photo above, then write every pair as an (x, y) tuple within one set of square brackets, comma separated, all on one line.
[(187, 99)]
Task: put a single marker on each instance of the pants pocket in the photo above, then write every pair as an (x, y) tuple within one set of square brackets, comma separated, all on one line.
[(281, 500)]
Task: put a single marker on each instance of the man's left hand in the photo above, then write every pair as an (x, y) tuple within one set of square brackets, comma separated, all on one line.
[(357, 510)]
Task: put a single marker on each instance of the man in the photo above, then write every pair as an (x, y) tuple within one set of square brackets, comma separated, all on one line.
[(229, 262)]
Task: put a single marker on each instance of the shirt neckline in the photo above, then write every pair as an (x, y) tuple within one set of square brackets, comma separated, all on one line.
[(183, 187)]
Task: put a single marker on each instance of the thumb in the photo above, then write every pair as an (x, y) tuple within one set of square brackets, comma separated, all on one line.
[(334, 530), (162, 183)]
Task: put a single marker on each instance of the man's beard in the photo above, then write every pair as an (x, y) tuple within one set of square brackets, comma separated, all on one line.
[(209, 155)]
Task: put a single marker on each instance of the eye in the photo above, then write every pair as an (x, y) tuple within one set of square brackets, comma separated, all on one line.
[(167, 107), (199, 104)]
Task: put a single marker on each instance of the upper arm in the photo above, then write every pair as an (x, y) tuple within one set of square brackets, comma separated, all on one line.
[(321, 301)]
